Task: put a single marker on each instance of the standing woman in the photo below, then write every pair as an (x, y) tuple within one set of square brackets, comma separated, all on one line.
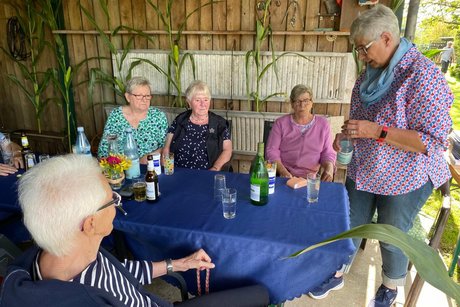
[(198, 138), (148, 123), (301, 142), (399, 119)]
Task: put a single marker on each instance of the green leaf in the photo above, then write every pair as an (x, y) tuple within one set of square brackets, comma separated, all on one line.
[(425, 259)]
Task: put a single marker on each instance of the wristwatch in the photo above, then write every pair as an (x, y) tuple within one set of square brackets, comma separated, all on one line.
[(169, 266), (383, 134)]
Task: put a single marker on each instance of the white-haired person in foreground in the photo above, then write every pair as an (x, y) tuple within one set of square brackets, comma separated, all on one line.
[(69, 208)]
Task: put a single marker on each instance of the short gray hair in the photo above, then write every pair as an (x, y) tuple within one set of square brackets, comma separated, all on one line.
[(298, 90), (56, 196), (197, 87), (135, 82), (372, 23)]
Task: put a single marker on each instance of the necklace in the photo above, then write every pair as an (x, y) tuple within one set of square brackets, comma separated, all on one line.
[(197, 119)]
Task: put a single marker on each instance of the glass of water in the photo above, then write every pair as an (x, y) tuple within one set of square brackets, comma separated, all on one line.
[(313, 183), (229, 203)]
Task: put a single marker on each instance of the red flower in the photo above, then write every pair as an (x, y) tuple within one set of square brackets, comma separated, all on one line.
[(113, 160)]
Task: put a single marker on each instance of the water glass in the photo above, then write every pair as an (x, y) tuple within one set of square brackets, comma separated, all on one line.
[(29, 160), (313, 183), (168, 162), (219, 186), (229, 203), (43, 157), (271, 169), (139, 189)]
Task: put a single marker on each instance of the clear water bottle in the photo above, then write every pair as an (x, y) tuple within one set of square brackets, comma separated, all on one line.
[(82, 145), (346, 151), (130, 150)]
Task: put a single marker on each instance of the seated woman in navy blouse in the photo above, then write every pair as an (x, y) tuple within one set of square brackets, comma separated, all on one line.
[(198, 138)]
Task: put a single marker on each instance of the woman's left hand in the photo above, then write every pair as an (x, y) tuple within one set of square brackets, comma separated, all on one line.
[(361, 129), (327, 171)]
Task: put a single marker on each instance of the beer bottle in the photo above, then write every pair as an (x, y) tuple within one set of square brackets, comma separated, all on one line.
[(26, 150), (151, 179)]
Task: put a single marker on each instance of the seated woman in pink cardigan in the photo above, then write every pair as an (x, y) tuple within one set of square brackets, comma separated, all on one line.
[(301, 142)]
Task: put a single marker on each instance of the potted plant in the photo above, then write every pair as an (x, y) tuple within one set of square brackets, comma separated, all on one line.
[(113, 167)]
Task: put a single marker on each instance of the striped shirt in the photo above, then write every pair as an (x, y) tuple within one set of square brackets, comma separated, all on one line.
[(102, 274)]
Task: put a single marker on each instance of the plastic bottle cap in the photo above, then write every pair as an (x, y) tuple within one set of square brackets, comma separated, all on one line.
[(128, 129), (80, 129)]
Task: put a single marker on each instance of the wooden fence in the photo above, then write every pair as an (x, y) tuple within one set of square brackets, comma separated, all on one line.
[(227, 25)]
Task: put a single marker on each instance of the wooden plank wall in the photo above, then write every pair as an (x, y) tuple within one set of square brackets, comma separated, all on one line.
[(225, 16)]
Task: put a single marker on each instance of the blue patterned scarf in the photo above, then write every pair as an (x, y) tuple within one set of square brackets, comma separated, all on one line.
[(377, 81)]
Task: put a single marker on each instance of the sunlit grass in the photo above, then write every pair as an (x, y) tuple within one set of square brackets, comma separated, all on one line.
[(432, 206)]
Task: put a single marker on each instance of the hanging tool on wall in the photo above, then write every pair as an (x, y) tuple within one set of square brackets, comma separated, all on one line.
[(16, 40)]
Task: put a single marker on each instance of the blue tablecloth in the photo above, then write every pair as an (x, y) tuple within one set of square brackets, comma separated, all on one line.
[(249, 248), (10, 213)]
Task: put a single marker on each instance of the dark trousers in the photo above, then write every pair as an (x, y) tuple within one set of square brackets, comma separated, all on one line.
[(252, 296), (444, 66)]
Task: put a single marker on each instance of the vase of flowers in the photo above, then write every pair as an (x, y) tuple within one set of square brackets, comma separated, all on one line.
[(113, 168)]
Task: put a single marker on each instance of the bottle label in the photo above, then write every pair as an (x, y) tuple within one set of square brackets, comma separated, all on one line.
[(150, 191), (271, 181), (255, 192), (157, 164), (134, 171), (24, 141), (344, 157)]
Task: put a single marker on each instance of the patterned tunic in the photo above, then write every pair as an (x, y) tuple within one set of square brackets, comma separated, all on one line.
[(193, 152), (149, 135), (418, 99)]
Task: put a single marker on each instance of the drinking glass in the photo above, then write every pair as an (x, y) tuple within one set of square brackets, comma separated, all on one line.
[(7, 150), (313, 183), (139, 189), (229, 203), (271, 169), (168, 163), (43, 157), (30, 160), (219, 186)]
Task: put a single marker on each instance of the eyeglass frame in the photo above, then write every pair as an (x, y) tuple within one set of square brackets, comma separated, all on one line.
[(141, 97), (363, 49), (306, 100), (116, 201)]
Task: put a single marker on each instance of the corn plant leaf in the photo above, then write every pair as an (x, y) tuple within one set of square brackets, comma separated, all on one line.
[(159, 13), (105, 37), (182, 25), (284, 94), (192, 62), (133, 65), (425, 259), (159, 69), (276, 59)]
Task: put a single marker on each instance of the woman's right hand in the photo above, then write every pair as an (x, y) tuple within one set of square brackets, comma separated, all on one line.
[(6, 170)]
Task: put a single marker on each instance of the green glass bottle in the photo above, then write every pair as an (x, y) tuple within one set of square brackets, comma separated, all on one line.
[(259, 178)]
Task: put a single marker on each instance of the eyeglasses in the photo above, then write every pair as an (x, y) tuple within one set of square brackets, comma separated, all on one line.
[(140, 97), (363, 49), (116, 201), (298, 101)]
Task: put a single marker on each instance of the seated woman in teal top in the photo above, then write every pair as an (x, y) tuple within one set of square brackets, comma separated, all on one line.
[(148, 123)]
